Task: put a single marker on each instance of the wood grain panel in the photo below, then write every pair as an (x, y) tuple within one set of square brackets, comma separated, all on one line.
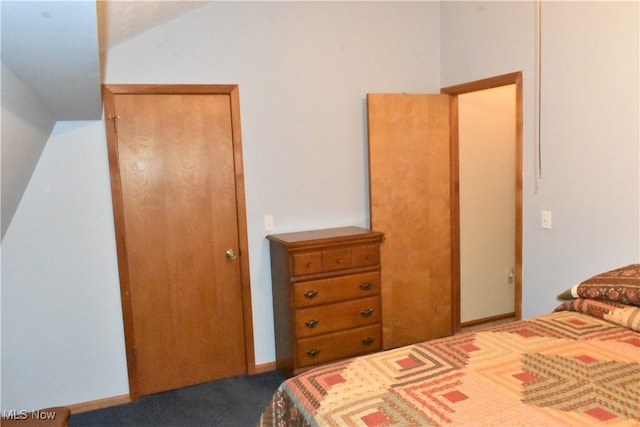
[(410, 201), (176, 203)]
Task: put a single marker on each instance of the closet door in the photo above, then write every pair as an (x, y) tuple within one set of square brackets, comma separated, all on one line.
[(410, 201), (175, 159)]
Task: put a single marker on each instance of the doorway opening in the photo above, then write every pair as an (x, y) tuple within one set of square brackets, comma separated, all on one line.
[(473, 210)]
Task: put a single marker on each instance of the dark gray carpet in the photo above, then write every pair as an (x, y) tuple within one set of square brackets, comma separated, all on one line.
[(230, 402)]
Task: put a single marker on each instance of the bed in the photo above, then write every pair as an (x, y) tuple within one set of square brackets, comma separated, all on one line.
[(579, 365)]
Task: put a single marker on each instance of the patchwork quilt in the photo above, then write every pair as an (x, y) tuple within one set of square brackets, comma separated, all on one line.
[(577, 366)]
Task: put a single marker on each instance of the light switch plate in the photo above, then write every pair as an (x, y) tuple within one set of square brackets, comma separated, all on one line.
[(268, 222), (546, 220)]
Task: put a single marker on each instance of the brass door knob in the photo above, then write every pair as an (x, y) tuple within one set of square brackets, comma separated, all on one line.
[(231, 254)]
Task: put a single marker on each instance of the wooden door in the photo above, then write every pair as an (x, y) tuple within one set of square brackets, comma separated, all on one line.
[(179, 214), (410, 201)]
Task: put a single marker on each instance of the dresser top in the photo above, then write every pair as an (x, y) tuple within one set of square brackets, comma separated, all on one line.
[(342, 233)]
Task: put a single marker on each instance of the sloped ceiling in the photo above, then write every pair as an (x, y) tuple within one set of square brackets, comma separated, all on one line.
[(119, 21), (52, 46), (56, 47)]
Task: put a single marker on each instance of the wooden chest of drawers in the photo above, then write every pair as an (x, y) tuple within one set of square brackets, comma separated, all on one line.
[(326, 296)]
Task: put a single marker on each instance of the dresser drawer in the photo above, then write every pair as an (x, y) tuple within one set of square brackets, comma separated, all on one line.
[(307, 263), (337, 259), (341, 288), (311, 351), (334, 317), (366, 255)]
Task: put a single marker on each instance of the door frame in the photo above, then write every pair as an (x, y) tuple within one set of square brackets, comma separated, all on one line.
[(454, 91), (109, 91)]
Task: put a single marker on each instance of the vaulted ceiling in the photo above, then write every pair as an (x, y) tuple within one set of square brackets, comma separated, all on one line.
[(57, 47)]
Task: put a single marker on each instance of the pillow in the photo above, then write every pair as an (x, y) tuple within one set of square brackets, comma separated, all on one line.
[(620, 285), (622, 315)]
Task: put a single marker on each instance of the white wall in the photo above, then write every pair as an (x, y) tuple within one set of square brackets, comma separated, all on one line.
[(26, 125), (590, 129), (62, 337), (303, 70)]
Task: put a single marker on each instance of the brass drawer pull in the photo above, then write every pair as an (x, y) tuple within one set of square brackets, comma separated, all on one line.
[(311, 323), (366, 312), (365, 286), (368, 340), (310, 294), (309, 264), (339, 260), (313, 352)]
